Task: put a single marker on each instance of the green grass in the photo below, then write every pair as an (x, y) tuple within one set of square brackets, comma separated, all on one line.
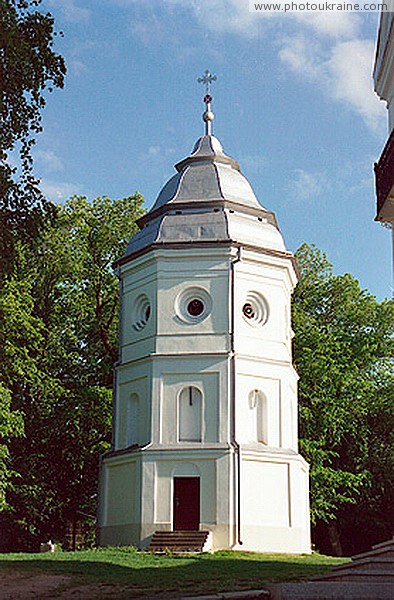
[(146, 574)]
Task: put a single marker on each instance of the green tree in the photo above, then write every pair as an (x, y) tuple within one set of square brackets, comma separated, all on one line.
[(29, 67), (11, 426), (71, 301), (343, 352)]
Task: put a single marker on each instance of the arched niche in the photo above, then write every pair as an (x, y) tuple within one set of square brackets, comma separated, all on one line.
[(258, 403), (189, 414)]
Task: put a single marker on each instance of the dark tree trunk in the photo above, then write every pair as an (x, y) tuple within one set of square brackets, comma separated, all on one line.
[(335, 541)]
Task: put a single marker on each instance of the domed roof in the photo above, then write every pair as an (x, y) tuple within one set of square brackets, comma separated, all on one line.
[(207, 200), (207, 174)]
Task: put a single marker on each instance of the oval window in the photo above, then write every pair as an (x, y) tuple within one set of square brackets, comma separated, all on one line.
[(141, 312)]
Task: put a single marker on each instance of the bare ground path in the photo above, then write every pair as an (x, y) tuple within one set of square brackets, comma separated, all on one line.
[(39, 586)]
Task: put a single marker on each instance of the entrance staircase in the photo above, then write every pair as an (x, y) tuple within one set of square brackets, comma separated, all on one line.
[(376, 565), (178, 541)]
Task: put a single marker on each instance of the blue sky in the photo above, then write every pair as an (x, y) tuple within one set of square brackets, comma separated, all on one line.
[(293, 104)]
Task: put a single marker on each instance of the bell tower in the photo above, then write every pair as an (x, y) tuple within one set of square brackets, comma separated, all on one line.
[(205, 401)]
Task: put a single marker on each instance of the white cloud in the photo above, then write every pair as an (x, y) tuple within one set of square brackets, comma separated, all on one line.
[(306, 186), (78, 67), (71, 12), (228, 16), (349, 70), (300, 55), (233, 16), (154, 150), (343, 72), (253, 163), (148, 29), (59, 191), (220, 16), (333, 24), (48, 160), (324, 48)]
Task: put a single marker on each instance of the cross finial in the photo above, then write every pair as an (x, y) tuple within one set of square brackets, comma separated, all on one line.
[(207, 79), (208, 115)]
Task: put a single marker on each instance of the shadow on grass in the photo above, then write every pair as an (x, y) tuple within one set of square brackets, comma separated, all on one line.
[(192, 575)]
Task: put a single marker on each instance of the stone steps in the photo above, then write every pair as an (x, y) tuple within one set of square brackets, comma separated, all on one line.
[(375, 565), (355, 575), (381, 562), (178, 541), (330, 590)]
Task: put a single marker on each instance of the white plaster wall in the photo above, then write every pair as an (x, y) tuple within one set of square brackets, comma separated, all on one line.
[(138, 277), (265, 501), (172, 384), (278, 384), (182, 272), (274, 503), (299, 478), (246, 416), (384, 71), (185, 467), (133, 379), (207, 373), (169, 354), (214, 469), (121, 498), (273, 280), (162, 276)]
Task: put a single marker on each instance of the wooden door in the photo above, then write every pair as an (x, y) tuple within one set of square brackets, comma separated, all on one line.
[(186, 503)]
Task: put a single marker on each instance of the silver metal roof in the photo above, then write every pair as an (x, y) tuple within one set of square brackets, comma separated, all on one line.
[(208, 200)]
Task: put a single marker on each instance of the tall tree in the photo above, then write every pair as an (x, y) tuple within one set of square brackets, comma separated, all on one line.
[(29, 67), (11, 426), (343, 350), (71, 317)]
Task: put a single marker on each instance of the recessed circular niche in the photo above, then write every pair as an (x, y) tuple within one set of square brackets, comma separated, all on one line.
[(141, 312), (255, 309), (193, 305)]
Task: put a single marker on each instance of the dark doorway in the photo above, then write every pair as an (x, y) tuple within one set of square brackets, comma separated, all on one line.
[(186, 503)]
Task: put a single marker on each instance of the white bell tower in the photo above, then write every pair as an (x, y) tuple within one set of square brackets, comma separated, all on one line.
[(205, 403)]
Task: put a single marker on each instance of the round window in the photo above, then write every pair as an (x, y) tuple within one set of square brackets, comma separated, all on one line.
[(255, 309), (248, 311), (140, 312), (193, 305)]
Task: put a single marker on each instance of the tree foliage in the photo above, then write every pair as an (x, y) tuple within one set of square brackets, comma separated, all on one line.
[(59, 332), (28, 67), (344, 354), (11, 426)]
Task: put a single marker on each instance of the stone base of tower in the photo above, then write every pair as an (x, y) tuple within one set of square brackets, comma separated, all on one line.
[(254, 500), (274, 501), (275, 539)]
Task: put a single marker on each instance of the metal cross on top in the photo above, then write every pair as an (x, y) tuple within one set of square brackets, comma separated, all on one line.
[(207, 79)]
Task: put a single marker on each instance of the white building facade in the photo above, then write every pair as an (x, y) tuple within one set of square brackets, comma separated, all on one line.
[(205, 403), (384, 87)]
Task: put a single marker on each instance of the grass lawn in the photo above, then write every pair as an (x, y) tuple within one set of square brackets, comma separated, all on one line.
[(126, 573)]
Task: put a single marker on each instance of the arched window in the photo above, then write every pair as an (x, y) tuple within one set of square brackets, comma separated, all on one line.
[(189, 414), (258, 403), (132, 420)]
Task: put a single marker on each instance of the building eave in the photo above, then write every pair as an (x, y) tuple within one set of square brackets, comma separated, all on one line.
[(384, 60), (384, 182)]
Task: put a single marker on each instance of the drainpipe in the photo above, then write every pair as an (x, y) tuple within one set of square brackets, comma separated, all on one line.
[(118, 362), (234, 443)]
